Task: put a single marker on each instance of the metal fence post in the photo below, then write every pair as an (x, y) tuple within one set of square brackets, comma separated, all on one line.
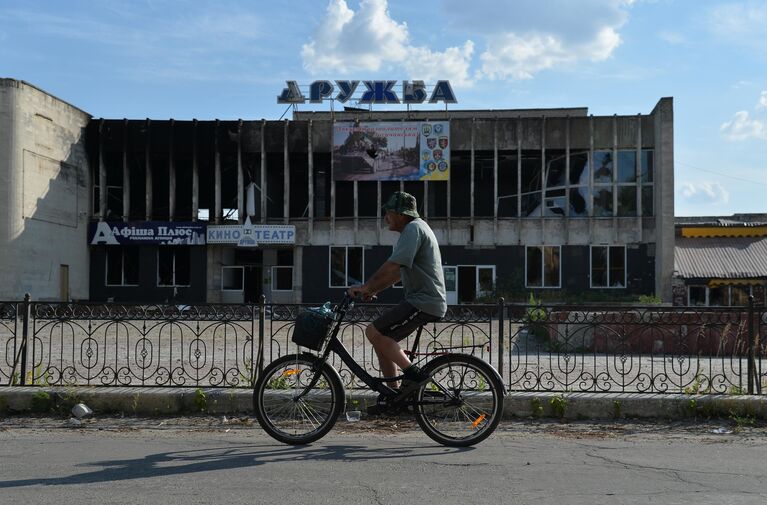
[(501, 309), (24, 335), (261, 324), (752, 379)]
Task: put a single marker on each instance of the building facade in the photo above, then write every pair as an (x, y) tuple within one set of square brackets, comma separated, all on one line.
[(44, 195), (551, 201), (555, 202), (720, 260)]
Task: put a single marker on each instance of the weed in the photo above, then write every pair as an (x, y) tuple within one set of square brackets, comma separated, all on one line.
[(278, 383), (742, 420), (695, 387), (15, 379), (247, 380), (737, 390), (650, 299), (558, 405), (617, 414), (134, 402), (691, 407), (41, 402), (200, 400), (537, 407)]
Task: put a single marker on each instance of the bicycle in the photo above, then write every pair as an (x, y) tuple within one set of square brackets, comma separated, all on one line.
[(298, 398)]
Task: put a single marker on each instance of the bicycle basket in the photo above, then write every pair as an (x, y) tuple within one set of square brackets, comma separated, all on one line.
[(312, 326)]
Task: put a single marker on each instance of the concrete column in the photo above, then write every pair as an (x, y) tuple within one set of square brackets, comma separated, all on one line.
[(102, 175), (471, 180), (495, 181), (310, 159), (638, 174), (615, 179), (544, 177), (126, 174), (298, 282), (590, 201), (567, 180), (356, 211), (171, 174), (263, 170), (217, 183), (379, 204), (148, 167), (519, 181), (332, 192), (240, 177), (195, 174), (663, 115), (286, 176)]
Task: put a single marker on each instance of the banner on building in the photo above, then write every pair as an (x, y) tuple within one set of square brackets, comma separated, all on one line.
[(251, 235), (391, 151), (146, 233)]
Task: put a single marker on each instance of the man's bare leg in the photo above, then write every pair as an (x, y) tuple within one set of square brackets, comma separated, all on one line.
[(390, 354)]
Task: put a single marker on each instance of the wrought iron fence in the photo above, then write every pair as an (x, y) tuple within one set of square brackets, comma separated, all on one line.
[(535, 348)]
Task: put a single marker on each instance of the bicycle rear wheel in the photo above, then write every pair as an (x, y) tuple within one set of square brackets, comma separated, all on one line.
[(462, 403), (293, 420)]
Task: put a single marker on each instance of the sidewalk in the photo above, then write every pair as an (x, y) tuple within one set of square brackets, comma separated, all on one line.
[(177, 400)]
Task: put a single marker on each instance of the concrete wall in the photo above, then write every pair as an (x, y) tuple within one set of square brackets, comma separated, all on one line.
[(44, 196)]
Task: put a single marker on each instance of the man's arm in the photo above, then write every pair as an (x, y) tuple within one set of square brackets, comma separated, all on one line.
[(386, 275)]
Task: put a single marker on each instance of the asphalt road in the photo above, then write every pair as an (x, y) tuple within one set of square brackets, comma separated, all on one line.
[(172, 461)]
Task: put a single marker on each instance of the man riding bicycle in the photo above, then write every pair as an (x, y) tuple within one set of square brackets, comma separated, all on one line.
[(417, 262)]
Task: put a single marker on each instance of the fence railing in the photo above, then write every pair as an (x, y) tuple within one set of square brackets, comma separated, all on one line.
[(535, 348)]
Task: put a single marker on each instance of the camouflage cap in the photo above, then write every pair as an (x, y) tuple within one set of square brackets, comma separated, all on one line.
[(402, 203)]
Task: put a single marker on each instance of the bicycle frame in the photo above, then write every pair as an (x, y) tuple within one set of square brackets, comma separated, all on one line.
[(336, 346)]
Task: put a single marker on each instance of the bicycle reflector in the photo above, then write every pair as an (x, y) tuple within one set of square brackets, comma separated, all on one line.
[(477, 421), (312, 326)]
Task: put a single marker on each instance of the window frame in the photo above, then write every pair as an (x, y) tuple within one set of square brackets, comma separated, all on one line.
[(708, 294), (122, 270), (242, 278), (274, 278), (174, 285), (607, 267), (346, 264), (543, 267)]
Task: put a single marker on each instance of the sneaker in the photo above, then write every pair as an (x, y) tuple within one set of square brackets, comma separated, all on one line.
[(412, 379), (381, 406)]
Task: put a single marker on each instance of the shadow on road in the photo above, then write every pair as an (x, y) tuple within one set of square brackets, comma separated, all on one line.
[(224, 458)]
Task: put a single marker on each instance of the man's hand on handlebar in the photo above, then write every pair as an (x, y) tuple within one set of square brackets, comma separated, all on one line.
[(361, 291)]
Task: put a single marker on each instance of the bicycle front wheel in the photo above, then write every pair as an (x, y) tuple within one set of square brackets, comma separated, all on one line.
[(288, 418), (462, 403)]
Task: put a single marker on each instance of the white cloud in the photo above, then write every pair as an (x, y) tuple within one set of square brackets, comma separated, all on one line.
[(369, 39), (529, 38), (704, 192), (743, 127), (672, 37), (762, 103), (741, 23)]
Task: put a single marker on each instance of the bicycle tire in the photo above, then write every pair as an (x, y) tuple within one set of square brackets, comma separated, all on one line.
[(313, 416), (462, 403)]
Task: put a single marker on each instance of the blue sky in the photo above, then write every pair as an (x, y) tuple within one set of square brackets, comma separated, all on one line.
[(230, 59)]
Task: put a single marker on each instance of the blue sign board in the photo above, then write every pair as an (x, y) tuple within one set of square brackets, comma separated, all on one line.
[(146, 233)]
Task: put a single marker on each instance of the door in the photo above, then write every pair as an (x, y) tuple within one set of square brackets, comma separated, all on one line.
[(64, 283), (467, 284), (485, 280), (253, 284), (450, 274)]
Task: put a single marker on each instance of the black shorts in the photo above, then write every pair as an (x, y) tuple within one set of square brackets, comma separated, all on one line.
[(402, 320)]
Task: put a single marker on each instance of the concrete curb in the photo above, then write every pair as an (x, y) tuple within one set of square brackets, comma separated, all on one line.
[(573, 406)]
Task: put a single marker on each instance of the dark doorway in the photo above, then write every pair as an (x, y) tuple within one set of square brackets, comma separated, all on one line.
[(467, 284), (252, 288)]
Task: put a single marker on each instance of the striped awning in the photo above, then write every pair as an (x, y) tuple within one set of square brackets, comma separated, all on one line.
[(721, 258)]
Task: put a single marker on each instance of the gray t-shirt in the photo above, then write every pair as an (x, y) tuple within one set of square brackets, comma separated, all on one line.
[(417, 251)]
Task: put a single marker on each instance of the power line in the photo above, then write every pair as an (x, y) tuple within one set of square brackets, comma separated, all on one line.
[(723, 175)]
